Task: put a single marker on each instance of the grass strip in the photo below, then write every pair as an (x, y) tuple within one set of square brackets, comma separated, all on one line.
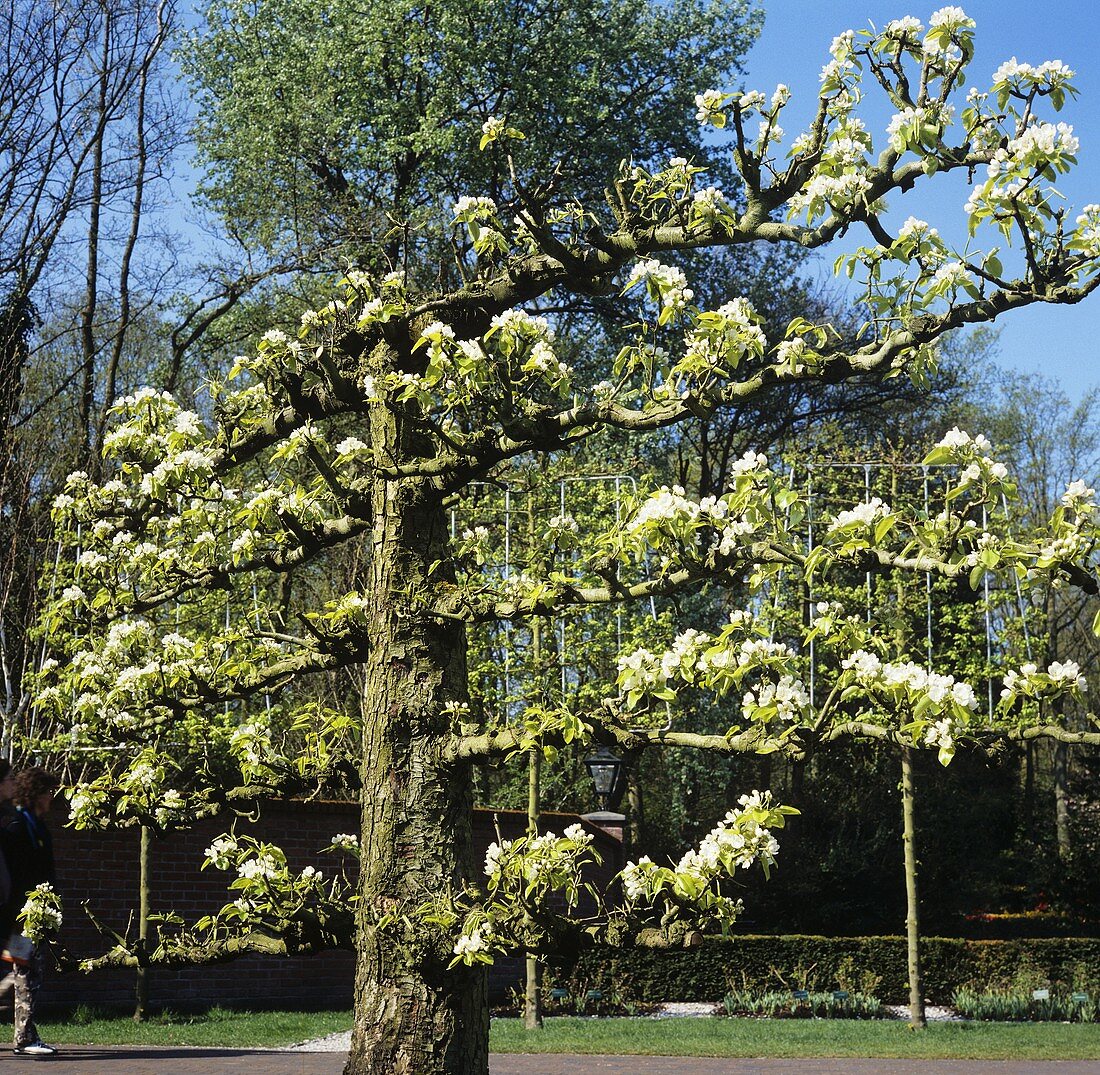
[(783, 1038), (217, 1027), (780, 1038)]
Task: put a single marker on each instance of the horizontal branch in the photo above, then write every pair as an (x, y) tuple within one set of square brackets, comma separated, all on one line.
[(221, 951), (314, 542), (498, 744)]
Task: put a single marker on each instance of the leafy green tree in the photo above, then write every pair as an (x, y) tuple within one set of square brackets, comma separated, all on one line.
[(394, 399), (352, 127)]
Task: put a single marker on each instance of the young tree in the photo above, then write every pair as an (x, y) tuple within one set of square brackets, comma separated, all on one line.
[(391, 402)]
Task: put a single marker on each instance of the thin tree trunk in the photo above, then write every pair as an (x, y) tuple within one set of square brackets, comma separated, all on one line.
[(141, 986), (909, 831), (137, 209), (91, 283), (912, 898), (413, 1014), (532, 1007), (532, 994), (1060, 755), (1029, 781)]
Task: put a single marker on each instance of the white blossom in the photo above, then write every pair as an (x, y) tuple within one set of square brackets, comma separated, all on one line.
[(907, 26), (468, 208), (865, 514), (708, 105), (951, 18), (219, 852)]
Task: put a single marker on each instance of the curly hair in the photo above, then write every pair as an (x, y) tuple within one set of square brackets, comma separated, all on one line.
[(30, 783)]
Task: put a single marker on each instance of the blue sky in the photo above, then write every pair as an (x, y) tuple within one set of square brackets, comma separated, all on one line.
[(1061, 342)]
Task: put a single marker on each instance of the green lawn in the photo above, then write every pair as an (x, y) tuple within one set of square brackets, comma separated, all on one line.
[(798, 1037), (216, 1027), (662, 1037)]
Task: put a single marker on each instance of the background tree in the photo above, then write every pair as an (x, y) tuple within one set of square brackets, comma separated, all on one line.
[(85, 143), (351, 130)]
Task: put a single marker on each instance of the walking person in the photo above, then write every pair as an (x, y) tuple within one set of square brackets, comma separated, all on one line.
[(29, 853), (7, 810)]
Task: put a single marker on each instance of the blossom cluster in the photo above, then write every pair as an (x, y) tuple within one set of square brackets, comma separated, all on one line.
[(785, 701), (718, 343), (1028, 683), (475, 944), (41, 914), (665, 285), (979, 473), (742, 838), (527, 871), (934, 704), (1080, 498), (710, 206), (681, 529), (515, 353), (867, 514), (644, 674), (710, 105)]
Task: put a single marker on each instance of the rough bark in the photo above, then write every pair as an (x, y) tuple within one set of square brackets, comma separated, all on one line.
[(413, 1016)]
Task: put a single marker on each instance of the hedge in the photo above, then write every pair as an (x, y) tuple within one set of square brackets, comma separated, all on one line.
[(872, 964)]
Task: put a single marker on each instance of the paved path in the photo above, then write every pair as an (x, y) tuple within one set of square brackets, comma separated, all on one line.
[(130, 1060), (141, 1060)]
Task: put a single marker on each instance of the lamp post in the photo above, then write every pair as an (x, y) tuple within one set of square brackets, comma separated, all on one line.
[(606, 772)]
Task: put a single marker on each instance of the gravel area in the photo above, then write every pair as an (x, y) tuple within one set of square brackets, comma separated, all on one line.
[(685, 1010), (934, 1013), (333, 1043)]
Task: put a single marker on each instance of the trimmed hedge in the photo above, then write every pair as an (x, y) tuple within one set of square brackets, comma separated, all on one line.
[(873, 964)]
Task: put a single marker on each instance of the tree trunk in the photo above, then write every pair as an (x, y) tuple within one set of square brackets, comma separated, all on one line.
[(912, 899), (532, 1001), (532, 1008), (1060, 774), (141, 984), (413, 1016), (636, 808), (1029, 782), (88, 461)]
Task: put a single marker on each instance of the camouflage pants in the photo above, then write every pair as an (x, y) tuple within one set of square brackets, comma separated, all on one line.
[(27, 981)]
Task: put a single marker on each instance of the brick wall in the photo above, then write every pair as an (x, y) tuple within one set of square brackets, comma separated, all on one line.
[(102, 869)]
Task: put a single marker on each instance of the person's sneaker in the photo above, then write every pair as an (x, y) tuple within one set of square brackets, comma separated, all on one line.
[(35, 1048)]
